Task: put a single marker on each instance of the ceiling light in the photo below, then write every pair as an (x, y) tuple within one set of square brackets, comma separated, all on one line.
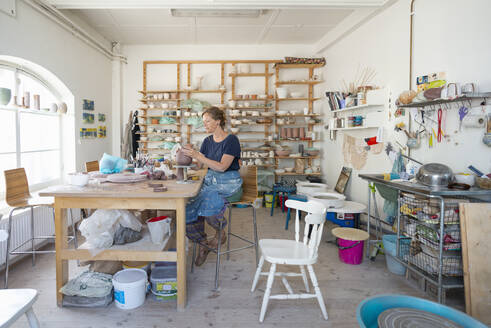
[(252, 13)]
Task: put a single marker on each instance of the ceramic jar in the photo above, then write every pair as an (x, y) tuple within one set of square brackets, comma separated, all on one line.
[(36, 102), (302, 133), (289, 133), (53, 108), (295, 132)]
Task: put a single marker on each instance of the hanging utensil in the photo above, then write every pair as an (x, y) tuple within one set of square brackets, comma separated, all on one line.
[(463, 111), (440, 114)]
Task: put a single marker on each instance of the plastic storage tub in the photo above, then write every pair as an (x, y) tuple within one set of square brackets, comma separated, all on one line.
[(164, 282)]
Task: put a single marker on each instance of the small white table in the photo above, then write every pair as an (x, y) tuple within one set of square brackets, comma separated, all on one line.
[(16, 302)]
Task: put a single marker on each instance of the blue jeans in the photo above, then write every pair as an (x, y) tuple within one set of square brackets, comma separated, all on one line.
[(211, 199)]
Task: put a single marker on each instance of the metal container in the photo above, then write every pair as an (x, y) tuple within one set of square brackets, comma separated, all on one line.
[(434, 175)]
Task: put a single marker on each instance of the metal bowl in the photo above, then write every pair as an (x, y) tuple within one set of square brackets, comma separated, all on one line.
[(434, 175)]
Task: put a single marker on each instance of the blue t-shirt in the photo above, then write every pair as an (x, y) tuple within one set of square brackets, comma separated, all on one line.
[(215, 150)]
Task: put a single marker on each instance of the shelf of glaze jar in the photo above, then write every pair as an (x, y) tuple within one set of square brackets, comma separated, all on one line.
[(355, 128), (183, 91), (297, 124), (248, 132), (292, 173), (145, 124), (298, 82), (347, 109), (158, 100), (160, 133), (297, 140), (249, 99), (284, 65), (146, 116), (297, 115), (303, 98), (296, 157), (249, 74)]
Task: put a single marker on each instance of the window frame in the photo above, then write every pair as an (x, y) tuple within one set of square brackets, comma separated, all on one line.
[(18, 72)]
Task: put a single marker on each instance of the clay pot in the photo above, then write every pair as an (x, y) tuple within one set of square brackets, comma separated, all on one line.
[(283, 133), (289, 133), (182, 159), (302, 133), (296, 132)]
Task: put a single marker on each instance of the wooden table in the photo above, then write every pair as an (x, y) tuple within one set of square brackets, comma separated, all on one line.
[(137, 196)]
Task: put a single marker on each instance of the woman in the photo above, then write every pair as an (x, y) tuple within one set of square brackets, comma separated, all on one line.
[(221, 153)]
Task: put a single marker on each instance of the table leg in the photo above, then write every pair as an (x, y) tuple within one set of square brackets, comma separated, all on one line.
[(181, 254), (60, 244)]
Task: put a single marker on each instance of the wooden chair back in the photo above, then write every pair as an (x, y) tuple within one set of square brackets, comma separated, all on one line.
[(92, 166), (249, 183), (17, 187)]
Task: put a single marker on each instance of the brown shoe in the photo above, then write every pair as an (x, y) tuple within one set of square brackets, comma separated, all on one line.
[(213, 243), (202, 255)]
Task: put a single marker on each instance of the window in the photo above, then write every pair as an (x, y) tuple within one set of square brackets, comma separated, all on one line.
[(30, 138)]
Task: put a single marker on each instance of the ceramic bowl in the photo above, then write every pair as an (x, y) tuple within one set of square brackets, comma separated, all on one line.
[(143, 138), (282, 152), (234, 130), (289, 169), (78, 179), (279, 171), (469, 179)]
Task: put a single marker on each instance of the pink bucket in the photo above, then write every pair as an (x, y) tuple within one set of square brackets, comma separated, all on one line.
[(350, 252)]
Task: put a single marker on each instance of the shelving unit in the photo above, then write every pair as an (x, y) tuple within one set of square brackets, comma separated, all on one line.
[(310, 82)]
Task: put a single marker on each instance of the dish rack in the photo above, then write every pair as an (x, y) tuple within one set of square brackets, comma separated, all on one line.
[(432, 225)]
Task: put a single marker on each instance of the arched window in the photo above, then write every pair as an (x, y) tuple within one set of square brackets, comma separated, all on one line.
[(29, 137)]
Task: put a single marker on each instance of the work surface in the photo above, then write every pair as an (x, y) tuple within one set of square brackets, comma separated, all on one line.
[(125, 190)]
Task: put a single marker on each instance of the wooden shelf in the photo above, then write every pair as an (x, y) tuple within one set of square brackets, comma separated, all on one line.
[(297, 124), (347, 109), (256, 149), (292, 173), (171, 116), (251, 140), (298, 115), (261, 165), (301, 157), (242, 99), (280, 65), (298, 82), (249, 74), (355, 128), (161, 133), (158, 100), (309, 99), (297, 140), (144, 124)]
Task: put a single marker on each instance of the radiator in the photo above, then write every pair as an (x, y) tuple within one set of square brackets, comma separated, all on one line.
[(21, 229)]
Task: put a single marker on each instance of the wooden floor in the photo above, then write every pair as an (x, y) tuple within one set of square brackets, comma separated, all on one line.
[(343, 286)]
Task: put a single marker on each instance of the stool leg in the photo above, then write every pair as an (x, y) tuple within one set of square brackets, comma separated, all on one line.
[(255, 232), (31, 318), (194, 255), (32, 236), (217, 269), (7, 255), (287, 218), (229, 230), (272, 204)]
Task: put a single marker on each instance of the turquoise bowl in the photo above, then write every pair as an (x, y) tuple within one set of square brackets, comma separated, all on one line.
[(369, 309), (5, 95)]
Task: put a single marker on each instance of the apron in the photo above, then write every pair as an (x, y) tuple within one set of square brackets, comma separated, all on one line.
[(211, 199)]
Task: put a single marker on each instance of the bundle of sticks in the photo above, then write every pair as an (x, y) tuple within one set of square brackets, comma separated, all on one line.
[(362, 78)]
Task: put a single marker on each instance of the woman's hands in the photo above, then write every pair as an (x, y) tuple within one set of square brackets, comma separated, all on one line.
[(192, 153)]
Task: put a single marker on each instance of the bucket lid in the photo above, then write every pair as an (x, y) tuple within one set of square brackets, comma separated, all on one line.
[(158, 218), (128, 276), (350, 234)]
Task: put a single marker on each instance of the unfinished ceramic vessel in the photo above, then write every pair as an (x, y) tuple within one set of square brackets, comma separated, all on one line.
[(183, 159)]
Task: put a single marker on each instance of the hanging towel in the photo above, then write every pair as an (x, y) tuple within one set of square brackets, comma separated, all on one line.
[(127, 143), (135, 134)]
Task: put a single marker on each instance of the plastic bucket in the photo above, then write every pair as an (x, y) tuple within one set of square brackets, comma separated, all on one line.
[(130, 288), (390, 243), (158, 227), (268, 199), (350, 251)]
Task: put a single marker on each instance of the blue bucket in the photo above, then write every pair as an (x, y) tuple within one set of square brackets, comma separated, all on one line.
[(369, 309), (390, 247)]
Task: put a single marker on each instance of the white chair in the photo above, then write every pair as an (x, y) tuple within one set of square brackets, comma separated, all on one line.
[(16, 302), (294, 252)]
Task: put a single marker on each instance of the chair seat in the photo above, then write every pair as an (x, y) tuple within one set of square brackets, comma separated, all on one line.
[(14, 303), (284, 251), (34, 201)]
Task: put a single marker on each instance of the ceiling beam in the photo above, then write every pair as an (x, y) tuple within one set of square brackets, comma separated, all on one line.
[(215, 4), (267, 26)]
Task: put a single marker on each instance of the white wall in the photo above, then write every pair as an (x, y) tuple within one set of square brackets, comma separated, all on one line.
[(449, 36), (86, 72)]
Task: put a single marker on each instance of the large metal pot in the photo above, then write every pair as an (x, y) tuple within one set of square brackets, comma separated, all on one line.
[(434, 175)]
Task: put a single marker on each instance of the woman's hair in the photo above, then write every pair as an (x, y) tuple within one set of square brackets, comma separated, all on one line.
[(217, 114)]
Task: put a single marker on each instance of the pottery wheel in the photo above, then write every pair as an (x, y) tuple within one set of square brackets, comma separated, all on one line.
[(413, 318)]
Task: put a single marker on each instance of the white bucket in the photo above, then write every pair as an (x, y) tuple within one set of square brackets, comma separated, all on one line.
[(158, 229), (130, 288)]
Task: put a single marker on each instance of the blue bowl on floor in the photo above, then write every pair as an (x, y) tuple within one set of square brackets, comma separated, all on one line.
[(241, 205), (368, 311)]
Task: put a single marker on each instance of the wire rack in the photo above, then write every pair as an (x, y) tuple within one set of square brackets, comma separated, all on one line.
[(420, 233)]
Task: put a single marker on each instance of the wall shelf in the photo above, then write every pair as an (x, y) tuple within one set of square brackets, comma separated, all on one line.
[(250, 74), (355, 128), (298, 82), (281, 65), (348, 109), (309, 99)]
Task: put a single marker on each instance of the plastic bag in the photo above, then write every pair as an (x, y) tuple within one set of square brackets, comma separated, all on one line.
[(112, 164)]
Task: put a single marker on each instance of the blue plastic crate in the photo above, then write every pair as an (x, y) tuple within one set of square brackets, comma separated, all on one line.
[(331, 216)]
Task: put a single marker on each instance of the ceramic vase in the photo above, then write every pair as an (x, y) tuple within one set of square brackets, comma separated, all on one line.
[(302, 133), (283, 133), (289, 133), (296, 132)]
